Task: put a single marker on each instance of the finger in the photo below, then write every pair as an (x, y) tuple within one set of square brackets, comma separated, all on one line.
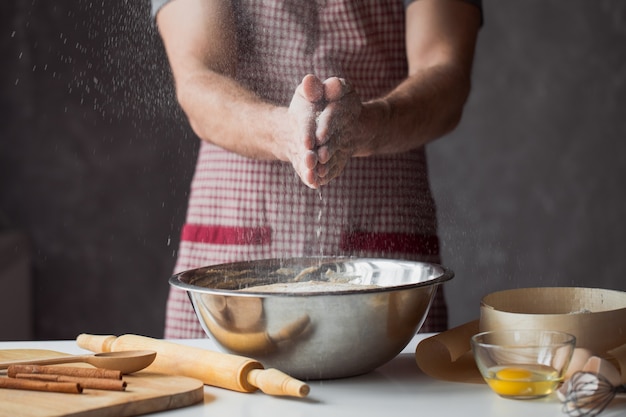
[(335, 88), (324, 154), (330, 163), (308, 176), (324, 126), (310, 159), (330, 171), (305, 167), (322, 171), (304, 116), (308, 135), (310, 179), (311, 88)]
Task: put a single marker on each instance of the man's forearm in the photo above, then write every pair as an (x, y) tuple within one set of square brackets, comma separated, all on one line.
[(424, 107), (224, 113)]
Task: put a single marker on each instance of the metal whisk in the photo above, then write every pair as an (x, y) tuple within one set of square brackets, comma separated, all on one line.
[(587, 394)]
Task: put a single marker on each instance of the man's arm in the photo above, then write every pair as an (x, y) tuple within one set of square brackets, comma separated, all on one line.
[(440, 40), (200, 42)]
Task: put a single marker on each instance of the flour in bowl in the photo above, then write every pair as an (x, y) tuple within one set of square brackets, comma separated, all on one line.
[(309, 286)]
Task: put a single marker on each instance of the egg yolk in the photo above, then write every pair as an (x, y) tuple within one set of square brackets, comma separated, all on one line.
[(520, 382), (513, 374)]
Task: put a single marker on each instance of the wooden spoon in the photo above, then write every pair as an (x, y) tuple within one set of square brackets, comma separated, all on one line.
[(127, 362)]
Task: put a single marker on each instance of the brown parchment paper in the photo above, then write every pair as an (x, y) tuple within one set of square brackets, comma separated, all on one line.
[(597, 317)]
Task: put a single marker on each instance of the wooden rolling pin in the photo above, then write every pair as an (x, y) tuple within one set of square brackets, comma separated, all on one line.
[(222, 370)]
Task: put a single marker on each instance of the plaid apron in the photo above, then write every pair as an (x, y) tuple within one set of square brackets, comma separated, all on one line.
[(242, 209)]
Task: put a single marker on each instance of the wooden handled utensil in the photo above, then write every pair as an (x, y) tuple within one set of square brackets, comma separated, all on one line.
[(218, 369), (125, 361)]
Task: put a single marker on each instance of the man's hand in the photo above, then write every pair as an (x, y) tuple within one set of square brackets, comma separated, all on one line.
[(324, 117), (336, 131), (303, 109)]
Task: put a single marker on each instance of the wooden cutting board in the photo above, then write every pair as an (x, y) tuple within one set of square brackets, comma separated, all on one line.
[(146, 392)]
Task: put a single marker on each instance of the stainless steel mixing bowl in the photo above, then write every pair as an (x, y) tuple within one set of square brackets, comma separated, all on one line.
[(320, 333)]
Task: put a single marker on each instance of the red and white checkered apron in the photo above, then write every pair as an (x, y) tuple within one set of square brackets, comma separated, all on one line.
[(242, 209)]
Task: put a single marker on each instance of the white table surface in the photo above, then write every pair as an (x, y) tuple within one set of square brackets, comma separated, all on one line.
[(396, 389)]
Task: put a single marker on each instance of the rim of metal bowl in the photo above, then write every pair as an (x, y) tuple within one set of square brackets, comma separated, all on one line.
[(176, 281)]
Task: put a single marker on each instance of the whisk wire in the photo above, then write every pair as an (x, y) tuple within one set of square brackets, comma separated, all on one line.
[(588, 394)]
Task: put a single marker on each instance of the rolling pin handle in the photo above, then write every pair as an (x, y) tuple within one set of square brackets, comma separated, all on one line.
[(275, 382), (96, 343)]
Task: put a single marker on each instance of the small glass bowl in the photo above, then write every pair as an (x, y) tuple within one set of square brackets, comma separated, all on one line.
[(523, 364)]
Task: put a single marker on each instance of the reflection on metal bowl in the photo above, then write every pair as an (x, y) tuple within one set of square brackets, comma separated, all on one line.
[(321, 332)]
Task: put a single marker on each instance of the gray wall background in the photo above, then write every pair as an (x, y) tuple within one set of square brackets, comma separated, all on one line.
[(531, 185), (95, 161)]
